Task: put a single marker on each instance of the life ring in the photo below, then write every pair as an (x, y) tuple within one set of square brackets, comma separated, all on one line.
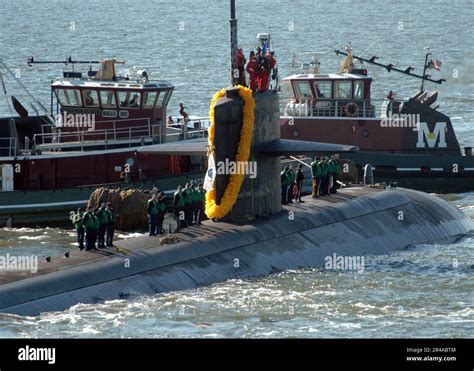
[(351, 109)]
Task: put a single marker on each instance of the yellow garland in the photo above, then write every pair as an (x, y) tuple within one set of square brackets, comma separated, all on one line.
[(231, 193)]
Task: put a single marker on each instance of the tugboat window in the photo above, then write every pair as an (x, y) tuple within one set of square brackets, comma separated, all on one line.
[(323, 89), (303, 90), (91, 99), (68, 97), (344, 89), (358, 89), (149, 99), (161, 99), (107, 99), (129, 99)]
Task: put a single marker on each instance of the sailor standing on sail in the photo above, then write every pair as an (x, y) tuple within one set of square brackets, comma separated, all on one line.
[(252, 70)]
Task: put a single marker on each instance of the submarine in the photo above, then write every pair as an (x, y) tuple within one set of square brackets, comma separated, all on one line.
[(249, 234), (256, 238)]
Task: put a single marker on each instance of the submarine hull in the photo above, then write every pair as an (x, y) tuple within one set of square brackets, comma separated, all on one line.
[(356, 222)]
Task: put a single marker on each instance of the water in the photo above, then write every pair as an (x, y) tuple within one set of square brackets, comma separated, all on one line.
[(422, 291)]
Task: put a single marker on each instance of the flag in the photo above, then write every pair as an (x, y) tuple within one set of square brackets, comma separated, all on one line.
[(434, 64), (210, 174)]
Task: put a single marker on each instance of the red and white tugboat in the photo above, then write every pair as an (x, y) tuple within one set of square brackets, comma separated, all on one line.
[(50, 163), (408, 141)]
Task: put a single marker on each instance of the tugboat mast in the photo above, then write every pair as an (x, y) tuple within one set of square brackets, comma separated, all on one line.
[(391, 67), (424, 70)]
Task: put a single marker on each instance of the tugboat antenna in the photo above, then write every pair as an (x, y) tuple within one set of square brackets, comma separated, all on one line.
[(391, 67)]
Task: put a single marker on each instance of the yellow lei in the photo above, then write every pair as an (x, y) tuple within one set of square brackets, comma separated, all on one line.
[(243, 153)]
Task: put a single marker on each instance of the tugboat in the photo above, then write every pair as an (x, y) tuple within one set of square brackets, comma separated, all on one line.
[(50, 162), (406, 141)]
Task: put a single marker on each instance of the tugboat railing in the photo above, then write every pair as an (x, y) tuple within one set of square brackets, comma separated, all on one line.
[(339, 108), (131, 135), (10, 144)]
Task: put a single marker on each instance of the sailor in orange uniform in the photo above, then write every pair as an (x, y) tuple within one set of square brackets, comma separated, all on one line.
[(241, 66), (263, 76), (252, 69)]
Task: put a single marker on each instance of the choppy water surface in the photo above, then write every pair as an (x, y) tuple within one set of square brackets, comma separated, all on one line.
[(423, 291)]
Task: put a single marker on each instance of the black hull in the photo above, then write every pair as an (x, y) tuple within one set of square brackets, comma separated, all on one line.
[(428, 173)]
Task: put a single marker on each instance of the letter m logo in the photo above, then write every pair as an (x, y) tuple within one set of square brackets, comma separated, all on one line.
[(431, 137)]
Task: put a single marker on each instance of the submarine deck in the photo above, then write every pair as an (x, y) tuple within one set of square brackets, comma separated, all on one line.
[(134, 245)]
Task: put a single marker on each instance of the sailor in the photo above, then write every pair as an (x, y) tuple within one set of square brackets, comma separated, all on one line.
[(183, 113), (188, 208), (135, 101), (336, 168), (284, 185), (299, 182), (89, 222), (330, 174), (323, 189), (178, 203), (390, 98), (241, 66), (291, 180), (110, 225), (153, 215), (263, 75), (89, 99), (201, 197), (77, 221), (252, 69), (194, 201), (170, 120), (315, 177), (161, 205), (103, 221)]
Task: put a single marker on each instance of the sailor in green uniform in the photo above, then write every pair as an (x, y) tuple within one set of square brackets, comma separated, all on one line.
[(110, 225), (336, 169), (153, 215), (315, 177), (77, 221), (285, 182), (178, 203), (201, 203), (188, 200), (323, 189), (90, 222), (103, 221), (291, 180), (161, 206)]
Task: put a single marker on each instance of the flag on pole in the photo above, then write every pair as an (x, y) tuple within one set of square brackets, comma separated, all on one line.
[(210, 173), (434, 64)]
